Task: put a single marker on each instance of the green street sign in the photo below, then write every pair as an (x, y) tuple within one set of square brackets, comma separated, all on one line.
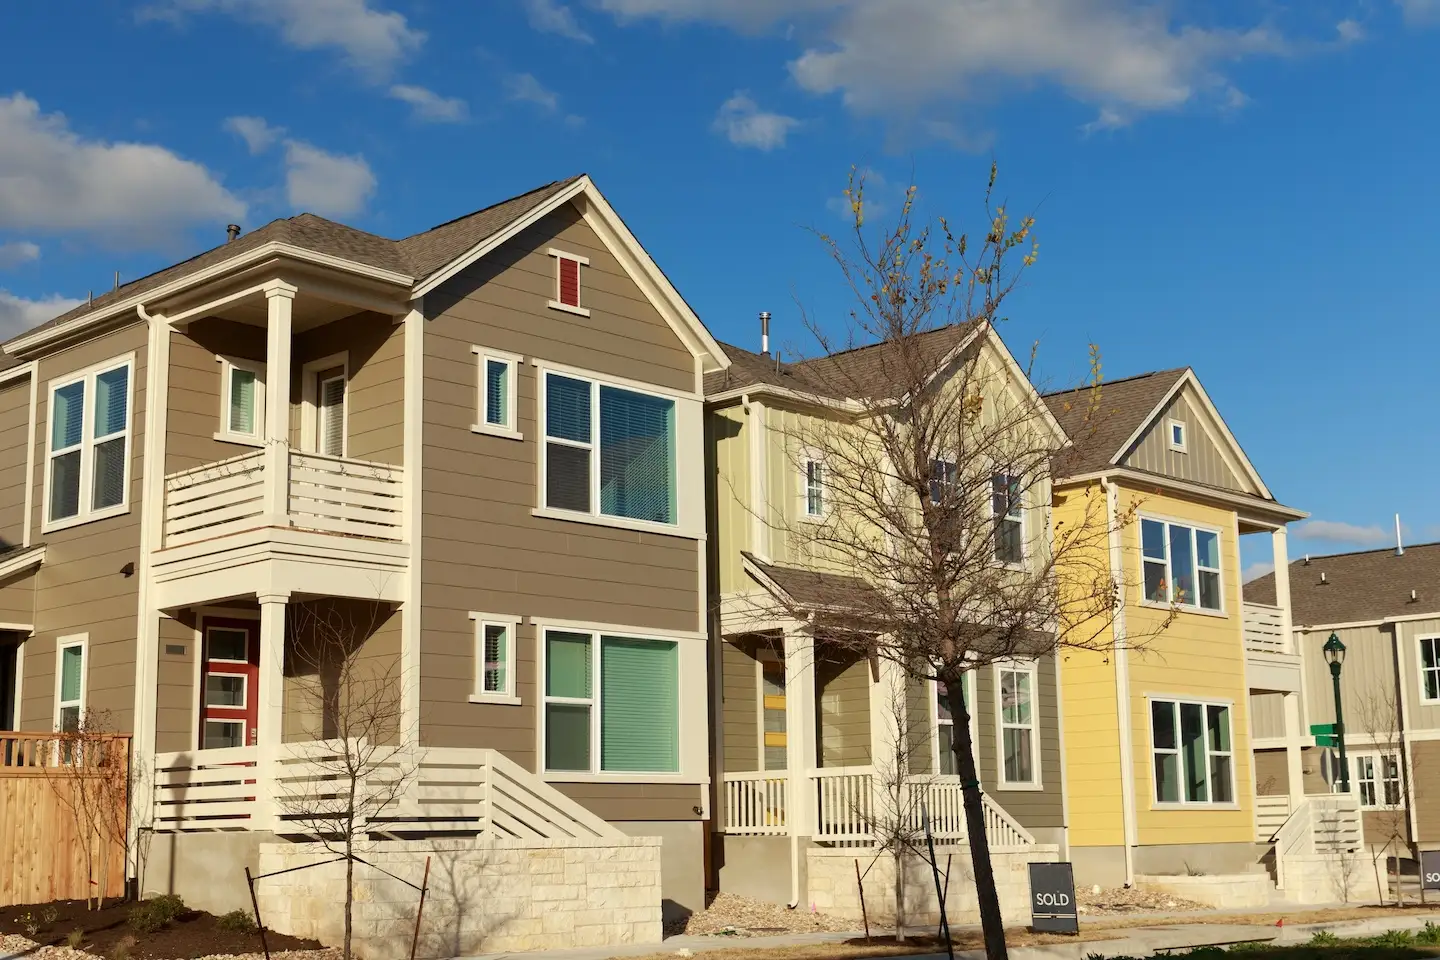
[(1321, 729), (1327, 741)]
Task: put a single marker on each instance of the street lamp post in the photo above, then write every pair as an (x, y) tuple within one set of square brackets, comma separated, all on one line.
[(1335, 656)]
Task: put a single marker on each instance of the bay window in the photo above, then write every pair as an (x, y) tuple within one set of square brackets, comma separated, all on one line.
[(1193, 759), (609, 451), (88, 463), (1181, 564), (612, 703)]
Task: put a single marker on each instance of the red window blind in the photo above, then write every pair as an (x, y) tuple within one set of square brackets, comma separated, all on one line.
[(569, 281)]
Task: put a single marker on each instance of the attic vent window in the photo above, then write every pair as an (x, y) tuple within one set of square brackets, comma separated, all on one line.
[(1177, 436), (567, 281)]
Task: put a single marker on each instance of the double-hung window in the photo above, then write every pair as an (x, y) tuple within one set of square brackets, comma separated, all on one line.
[(612, 703), (1193, 758), (1374, 777), (1430, 668), (609, 451), (942, 480), (1007, 505), (812, 485), (242, 400), (495, 640), (88, 463), (498, 376), (69, 684), (945, 722), (1019, 738), (1182, 564)]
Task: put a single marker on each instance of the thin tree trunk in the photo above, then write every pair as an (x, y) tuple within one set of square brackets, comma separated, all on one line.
[(349, 892), (992, 923), (899, 856)]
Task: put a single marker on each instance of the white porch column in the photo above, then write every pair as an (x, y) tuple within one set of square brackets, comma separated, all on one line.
[(1282, 585), (279, 300), (799, 725), (272, 671), (1294, 740)]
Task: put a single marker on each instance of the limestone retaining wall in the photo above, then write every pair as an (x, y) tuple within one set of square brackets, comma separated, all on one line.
[(1331, 878), (1226, 891), (484, 896), (833, 889)]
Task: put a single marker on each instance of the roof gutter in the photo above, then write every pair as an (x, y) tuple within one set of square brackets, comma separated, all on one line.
[(1279, 510), (743, 394)]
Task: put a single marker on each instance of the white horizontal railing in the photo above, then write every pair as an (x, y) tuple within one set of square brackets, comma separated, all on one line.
[(1264, 628), (1271, 812), (755, 803), (332, 494), (209, 790), (1324, 824)]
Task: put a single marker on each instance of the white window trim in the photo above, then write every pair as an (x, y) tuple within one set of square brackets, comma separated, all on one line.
[(87, 445), (1169, 573), (555, 303), (511, 430), (205, 644), (310, 402), (1182, 804), (596, 702), (1420, 668), (1024, 563), (768, 654), (936, 722), (1182, 445), (225, 434), (507, 696), (244, 686), (1031, 668), (1375, 755), (542, 509), (808, 456), (222, 720), (81, 640)]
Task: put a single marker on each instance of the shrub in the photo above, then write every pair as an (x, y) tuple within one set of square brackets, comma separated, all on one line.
[(1394, 938), (1429, 934), (122, 948), (49, 915), (74, 938), (1323, 938), (236, 921), (29, 924), (153, 914)]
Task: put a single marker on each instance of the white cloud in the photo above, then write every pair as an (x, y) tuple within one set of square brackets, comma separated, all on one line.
[(524, 87), (429, 106), (547, 16), (744, 124), (1349, 31), (18, 314), (1257, 569), (54, 180), (1420, 11), (330, 184), (258, 135), (373, 41), (16, 253), (897, 58), (1347, 534), (880, 197)]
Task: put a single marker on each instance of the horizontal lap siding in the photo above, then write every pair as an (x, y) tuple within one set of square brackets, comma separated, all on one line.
[(1032, 808), (375, 397), (14, 443), (1272, 773), (17, 598), (176, 695), (80, 589), (193, 416), (740, 707), (1425, 775), (842, 705), (483, 550)]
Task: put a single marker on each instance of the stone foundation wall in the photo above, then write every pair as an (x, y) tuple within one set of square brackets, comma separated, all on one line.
[(833, 889), (1229, 891), (1330, 878), (484, 896)]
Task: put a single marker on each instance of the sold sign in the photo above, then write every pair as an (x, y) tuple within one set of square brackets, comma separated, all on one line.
[(1430, 869), (1052, 898)]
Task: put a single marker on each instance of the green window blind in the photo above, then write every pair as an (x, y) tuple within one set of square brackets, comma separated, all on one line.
[(497, 393), (67, 416), (640, 717), (637, 456), (568, 674), (242, 402), (72, 662)]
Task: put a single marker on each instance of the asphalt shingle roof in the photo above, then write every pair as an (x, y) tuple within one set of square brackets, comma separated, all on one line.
[(1370, 585), (811, 589), (1122, 408)]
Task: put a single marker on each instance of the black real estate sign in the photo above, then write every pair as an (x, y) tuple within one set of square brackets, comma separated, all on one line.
[(1052, 898), (1430, 869)]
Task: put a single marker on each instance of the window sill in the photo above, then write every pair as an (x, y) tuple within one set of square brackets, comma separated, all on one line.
[(50, 526), (496, 699), (494, 431), (621, 523), (238, 438), (1182, 608), (1159, 805), (1009, 787), (578, 311), (563, 776)]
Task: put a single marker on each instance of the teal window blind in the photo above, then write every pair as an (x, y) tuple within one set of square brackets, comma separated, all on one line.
[(567, 446), (111, 401), (497, 392), (72, 663), (639, 717), (637, 456), (97, 454), (243, 419), (67, 416), (568, 679), (567, 408)]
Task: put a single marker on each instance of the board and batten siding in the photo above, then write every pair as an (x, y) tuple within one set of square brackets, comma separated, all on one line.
[(483, 549), (80, 588), (1202, 461), (14, 450), (1368, 684), (1267, 715), (728, 496)]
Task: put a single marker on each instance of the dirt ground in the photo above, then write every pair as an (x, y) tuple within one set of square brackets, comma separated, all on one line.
[(106, 933)]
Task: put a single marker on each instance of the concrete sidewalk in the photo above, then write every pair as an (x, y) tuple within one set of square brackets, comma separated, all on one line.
[(1127, 942)]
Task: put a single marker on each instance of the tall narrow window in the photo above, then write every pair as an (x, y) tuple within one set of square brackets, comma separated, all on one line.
[(774, 721), (1181, 565), (1193, 756), (70, 686), (1429, 668), (814, 486), (88, 461), (567, 281), (942, 480), (569, 700), (496, 405), (242, 400), (1019, 741), (495, 643), (330, 413), (1008, 507), (945, 722)]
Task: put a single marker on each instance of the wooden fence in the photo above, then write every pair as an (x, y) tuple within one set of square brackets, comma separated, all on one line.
[(46, 852)]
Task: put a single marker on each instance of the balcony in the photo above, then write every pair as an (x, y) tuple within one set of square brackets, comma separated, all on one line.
[(1271, 662)]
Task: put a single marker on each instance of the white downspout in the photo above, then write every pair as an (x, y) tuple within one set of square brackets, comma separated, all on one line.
[(1122, 682)]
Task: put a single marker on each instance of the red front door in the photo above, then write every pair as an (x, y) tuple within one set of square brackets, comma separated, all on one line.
[(229, 683)]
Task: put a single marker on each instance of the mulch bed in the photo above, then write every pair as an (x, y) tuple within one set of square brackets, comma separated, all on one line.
[(194, 934)]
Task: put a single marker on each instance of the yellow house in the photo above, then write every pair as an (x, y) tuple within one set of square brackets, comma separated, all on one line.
[(1158, 757)]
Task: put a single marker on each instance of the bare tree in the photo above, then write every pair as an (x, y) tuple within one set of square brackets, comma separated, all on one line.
[(1386, 788), (89, 774), (936, 460), (347, 766)]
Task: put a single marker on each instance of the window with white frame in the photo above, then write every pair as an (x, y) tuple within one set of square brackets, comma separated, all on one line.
[(1176, 435), (242, 400), (942, 480), (495, 640), (609, 451), (498, 376), (69, 684), (567, 281), (945, 723), (1430, 667), (88, 463), (612, 703), (1374, 777), (1007, 506), (1182, 564), (1191, 746), (1019, 736), (812, 485)]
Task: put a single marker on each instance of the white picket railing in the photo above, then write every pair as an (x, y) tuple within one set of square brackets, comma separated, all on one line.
[(844, 803), (1264, 628), (302, 787), (332, 494), (755, 803), (1271, 812)]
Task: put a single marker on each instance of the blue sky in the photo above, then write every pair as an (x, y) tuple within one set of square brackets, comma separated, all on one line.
[(1248, 188)]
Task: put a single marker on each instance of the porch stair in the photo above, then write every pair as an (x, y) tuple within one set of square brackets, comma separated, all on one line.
[(1326, 826)]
